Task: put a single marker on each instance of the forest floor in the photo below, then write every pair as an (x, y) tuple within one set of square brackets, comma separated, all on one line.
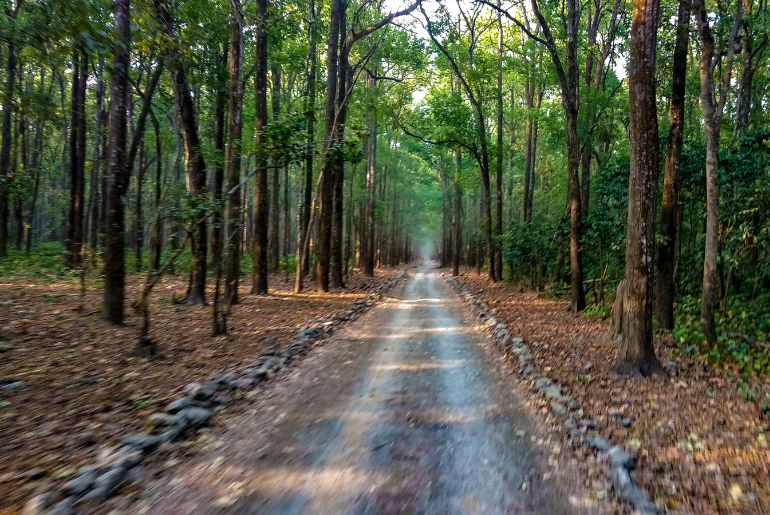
[(702, 447), (69, 382)]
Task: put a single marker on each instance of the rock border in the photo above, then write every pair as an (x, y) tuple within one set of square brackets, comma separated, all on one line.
[(117, 466), (563, 407)]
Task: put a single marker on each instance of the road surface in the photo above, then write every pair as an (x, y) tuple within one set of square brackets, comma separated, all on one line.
[(405, 410)]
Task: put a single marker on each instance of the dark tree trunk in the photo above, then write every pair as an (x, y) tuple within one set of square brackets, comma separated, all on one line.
[(118, 172), (664, 291), (326, 193), (138, 208), (219, 166), (457, 224), (233, 155), (275, 188), (343, 83), (195, 166), (261, 197), (94, 201), (156, 236), (499, 170), (5, 133), (633, 319), (75, 220)]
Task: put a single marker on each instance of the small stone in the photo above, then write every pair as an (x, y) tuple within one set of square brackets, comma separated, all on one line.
[(106, 484), (65, 507), (671, 368), (172, 434), (129, 458), (559, 409), (197, 416), (178, 405), (86, 439), (164, 419), (542, 383), (5, 347), (33, 474), (517, 342), (620, 458), (12, 386), (598, 443), (38, 504), (588, 424), (81, 484), (573, 405), (222, 399), (587, 367), (552, 392), (626, 422), (144, 443)]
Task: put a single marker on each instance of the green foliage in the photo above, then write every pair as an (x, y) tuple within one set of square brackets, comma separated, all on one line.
[(743, 334)]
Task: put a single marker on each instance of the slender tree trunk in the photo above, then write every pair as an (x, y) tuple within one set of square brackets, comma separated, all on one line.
[(156, 236), (233, 155), (326, 195), (96, 162), (664, 291), (5, 132), (529, 97), (712, 116), (74, 241), (261, 197), (138, 218), (118, 173), (499, 170), (275, 188), (219, 167), (457, 228), (307, 196), (634, 318)]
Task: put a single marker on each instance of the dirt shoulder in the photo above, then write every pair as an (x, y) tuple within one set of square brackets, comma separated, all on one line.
[(70, 383), (701, 447)]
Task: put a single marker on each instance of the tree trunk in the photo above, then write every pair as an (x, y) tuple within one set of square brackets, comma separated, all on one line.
[(326, 194), (74, 241), (96, 162), (219, 167), (233, 155), (712, 116), (664, 291), (457, 217), (118, 173), (195, 166), (275, 188), (499, 170), (634, 318), (261, 197), (5, 133)]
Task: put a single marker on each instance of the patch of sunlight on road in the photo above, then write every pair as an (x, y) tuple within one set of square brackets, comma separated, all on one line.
[(326, 482), (418, 367)]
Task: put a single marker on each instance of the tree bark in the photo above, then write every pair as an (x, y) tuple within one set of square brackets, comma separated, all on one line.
[(118, 172), (261, 196), (664, 291), (634, 318), (233, 155), (5, 132), (195, 166), (275, 188), (75, 220), (712, 116), (326, 193)]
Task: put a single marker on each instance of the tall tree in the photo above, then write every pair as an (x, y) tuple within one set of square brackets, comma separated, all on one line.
[(713, 107), (118, 172), (77, 163), (233, 154), (7, 127), (633, 319), (195, 166), (664, 287), (261, 196)]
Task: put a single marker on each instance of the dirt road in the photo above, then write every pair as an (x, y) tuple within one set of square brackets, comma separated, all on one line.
[(405, 410)]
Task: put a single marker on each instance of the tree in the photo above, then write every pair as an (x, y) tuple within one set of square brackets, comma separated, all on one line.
[(118, 172), (261, 198), (713, 107), (664, 287), (633, 319)]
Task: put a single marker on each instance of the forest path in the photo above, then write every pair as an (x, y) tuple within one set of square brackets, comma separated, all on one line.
[(405, 410)]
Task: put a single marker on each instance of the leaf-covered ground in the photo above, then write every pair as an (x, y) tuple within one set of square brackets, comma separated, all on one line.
[(77, 385), (703, 448)]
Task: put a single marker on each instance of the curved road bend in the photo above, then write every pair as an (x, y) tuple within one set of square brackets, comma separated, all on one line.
[(403, 411)]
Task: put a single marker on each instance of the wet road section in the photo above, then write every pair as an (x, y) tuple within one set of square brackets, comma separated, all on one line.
[(403, 411)]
